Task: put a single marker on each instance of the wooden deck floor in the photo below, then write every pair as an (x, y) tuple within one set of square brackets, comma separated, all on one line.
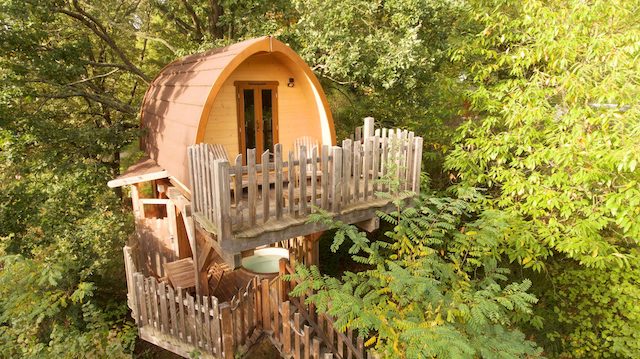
[(224, 282)]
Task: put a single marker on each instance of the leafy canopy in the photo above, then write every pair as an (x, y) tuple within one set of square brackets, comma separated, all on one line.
[(432, 287)]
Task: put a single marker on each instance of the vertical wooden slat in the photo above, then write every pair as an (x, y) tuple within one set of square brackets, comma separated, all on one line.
[(237, 322), (198, 321), (331, 332), (238, 190), (144, 320), (216, 333), (241, 317), (275, 308), (251, 168), (228, 346), (265, 186), (384, 159), (367, 129), (417, 165), (303, 180), (366, 168), (286, 327), (375, 164), (346, 171), (307, 342), (250, 307), (181, 319), (336, 172), (258, 304), (154, 303), (192, 175), (314, 179), (357, 170), (172, 311), (296, 338), (278, 184), (350, 337), (408, 174), (292, 183), (207, 323), (266, 312), (316, 348), (163, 307), (192, 320), (360, 347), (209, 184), (325, 179), (340, 346)]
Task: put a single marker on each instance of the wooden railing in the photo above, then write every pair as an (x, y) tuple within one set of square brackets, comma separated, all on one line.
[(320, 325), (184, 323), (232, 197)]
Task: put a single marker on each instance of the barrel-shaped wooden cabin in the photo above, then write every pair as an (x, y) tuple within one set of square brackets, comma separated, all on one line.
[(253, 94), (240, 149)]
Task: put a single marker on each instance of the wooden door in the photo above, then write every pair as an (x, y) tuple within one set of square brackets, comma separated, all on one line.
[(257, 116)]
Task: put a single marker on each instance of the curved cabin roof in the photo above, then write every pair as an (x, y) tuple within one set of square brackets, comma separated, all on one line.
[(176, 108)]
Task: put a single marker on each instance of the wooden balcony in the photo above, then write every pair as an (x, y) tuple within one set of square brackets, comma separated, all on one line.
[(270, 199)]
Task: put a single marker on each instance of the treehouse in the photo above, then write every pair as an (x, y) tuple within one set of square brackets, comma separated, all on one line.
[(240, 150)]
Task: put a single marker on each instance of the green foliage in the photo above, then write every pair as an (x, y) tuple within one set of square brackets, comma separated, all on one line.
[(433, 288), (553, 133), (386, 59), (589, 313), (47, 314)]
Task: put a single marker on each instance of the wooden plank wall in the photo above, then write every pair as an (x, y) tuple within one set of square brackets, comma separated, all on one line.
[(383, 164)]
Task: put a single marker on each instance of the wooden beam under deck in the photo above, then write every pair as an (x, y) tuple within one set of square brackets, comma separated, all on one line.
[(289, 227)]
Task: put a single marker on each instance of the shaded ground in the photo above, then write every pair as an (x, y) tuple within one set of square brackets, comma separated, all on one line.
[(146, 350), (263, 350)]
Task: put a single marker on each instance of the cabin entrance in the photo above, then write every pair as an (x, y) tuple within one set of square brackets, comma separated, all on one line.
[(257, 115)]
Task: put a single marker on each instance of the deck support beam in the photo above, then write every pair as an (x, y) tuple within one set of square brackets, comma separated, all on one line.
[(369, 225)]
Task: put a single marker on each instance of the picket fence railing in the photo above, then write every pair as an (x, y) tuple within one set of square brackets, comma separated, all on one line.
[(184, 323), (382, 166)]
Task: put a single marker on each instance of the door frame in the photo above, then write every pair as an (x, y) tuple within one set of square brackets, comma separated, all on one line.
[(257, 87)]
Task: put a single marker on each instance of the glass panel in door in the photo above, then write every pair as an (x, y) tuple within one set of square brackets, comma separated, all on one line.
[(249, 119), (267, 120)]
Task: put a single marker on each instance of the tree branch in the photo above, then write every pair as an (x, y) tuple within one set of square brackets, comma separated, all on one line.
[(160, 40), (98, 29), (182, 26), (194, 17), (110, 102), (94, 77)]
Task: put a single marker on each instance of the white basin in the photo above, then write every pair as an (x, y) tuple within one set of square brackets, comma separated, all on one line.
[(265, 260)]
